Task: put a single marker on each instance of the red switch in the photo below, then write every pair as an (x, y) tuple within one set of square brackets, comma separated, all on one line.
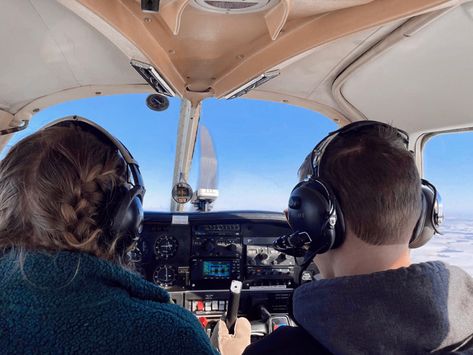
[(203, 321), (200, 306)]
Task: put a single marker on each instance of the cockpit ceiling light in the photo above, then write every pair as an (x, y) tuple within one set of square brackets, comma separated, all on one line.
[(252, 84), (153, 78), (233, 6)]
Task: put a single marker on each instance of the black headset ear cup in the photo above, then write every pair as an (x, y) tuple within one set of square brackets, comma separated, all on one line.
[(340, 228), (116, 209), (416, 239), (133, 222), (313, 209), (125, 214), (429, 219), (129, 216), (124, 218)]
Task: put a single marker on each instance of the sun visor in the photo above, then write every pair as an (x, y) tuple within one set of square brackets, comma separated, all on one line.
[(422, 81)]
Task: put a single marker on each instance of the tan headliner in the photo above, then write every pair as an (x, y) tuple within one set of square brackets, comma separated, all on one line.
[(201, 54), (210, 54)]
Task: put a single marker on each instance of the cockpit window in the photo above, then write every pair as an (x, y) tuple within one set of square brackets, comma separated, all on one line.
[(448, 164), (259, 147), (149, 135)]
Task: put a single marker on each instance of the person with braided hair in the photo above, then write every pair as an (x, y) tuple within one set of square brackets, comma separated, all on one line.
[(65, 282)]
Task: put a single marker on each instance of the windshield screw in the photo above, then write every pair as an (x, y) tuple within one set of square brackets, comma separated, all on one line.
[(147, 20)]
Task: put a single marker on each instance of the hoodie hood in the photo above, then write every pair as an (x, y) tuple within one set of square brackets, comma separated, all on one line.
[(424, 308)]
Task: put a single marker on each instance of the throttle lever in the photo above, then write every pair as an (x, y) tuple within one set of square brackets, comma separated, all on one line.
[(233, 305)]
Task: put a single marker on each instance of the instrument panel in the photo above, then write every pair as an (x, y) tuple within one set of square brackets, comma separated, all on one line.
[(196, 255), (207, 251)]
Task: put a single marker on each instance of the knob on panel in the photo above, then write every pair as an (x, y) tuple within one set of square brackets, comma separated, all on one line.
[(262, 256), (231, 247), (208, 245), (281, 258)]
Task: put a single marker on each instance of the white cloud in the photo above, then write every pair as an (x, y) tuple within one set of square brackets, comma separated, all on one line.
[(252, 192)]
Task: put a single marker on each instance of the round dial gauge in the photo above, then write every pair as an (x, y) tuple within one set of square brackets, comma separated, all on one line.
[(165, 247), (164, 275)]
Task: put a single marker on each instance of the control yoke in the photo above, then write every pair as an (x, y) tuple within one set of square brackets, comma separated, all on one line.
[(233, 305)]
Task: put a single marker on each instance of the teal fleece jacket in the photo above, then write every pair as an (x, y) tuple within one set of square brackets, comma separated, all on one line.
[(74, 303)]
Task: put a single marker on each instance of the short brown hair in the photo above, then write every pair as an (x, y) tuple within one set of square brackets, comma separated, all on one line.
[(376, 182), (53, 187)]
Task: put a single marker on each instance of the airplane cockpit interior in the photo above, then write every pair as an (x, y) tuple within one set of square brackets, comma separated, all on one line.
[(406, 63)]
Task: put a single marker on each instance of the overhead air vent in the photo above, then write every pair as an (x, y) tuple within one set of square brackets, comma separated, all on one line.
[(252, 84), (233, 6), (153, 78)]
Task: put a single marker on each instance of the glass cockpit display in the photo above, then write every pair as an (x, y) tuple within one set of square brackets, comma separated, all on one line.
[(217, 269)]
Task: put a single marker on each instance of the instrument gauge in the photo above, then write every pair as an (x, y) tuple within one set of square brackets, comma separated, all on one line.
[(165, 247), (164, 276)]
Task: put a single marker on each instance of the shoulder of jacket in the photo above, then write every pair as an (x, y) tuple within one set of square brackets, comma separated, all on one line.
[(168, 326)]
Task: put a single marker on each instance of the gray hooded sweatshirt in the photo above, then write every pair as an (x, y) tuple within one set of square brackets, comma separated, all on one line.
[(424, 308)]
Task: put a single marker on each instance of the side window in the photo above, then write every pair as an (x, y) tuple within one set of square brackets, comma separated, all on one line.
[(448, 164)]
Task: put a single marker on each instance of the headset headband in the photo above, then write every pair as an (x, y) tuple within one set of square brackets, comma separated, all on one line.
[(125, 153), (319, 150)]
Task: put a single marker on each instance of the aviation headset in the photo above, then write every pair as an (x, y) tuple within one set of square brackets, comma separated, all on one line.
[(123, 209), (316, 218)]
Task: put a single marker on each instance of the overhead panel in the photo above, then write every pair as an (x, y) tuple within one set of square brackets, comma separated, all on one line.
[(422, 82)]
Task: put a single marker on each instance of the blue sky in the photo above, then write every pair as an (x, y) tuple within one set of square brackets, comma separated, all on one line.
[(448, 163), (259, 146)]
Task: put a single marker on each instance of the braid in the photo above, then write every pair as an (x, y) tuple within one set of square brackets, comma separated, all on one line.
[(53, 192), (80, 214)]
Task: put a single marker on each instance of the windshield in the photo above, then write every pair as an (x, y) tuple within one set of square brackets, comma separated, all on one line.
[(259, 145), (150, 136)]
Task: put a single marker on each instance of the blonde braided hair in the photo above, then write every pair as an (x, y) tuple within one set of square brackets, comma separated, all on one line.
[(54, 187)]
